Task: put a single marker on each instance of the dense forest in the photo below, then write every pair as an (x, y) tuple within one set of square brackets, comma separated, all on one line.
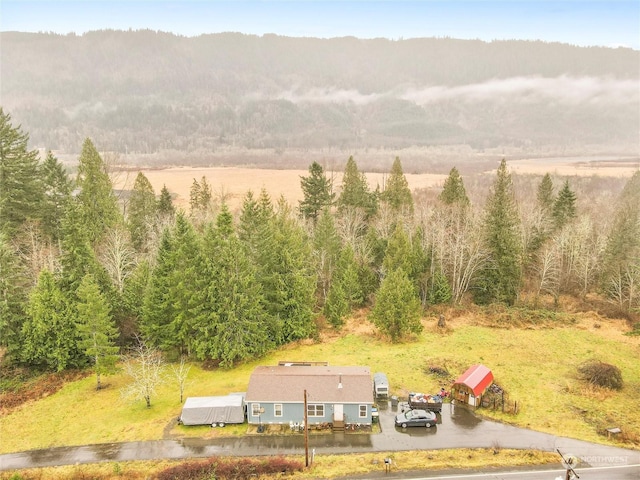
[(147, 92), (85, 275)]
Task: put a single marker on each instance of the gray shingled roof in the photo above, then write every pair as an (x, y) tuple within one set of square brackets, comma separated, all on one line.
[(288, 383)]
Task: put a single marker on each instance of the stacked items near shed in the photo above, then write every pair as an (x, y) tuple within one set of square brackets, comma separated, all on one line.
[(424, 401)]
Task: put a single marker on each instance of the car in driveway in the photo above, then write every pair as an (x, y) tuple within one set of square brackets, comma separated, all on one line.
[(416, 418)]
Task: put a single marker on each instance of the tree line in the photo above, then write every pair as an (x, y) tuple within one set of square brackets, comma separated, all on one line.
[(85, 274), (143, 92)]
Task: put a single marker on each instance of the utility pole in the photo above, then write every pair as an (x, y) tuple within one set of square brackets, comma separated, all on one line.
[(306, 432)]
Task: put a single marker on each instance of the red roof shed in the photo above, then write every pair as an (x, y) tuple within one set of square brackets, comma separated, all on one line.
[(477, 378)]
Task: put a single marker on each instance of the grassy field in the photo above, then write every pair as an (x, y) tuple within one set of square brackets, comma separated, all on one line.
[(535, 364)]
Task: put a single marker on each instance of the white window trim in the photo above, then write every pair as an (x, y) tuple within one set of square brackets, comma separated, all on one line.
[(276, 407), (362, 413), (315, 409), (255, 409)]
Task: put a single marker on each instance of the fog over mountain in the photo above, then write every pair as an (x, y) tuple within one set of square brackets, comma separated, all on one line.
[(146, 92)]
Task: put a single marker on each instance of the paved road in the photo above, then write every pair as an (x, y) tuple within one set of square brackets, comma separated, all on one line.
[(458, 428)]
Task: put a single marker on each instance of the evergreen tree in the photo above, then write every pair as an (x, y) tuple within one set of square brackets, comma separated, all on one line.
[(317, 191), (49, 334), (57, 193), (133, 295), (21, 189), (186, 285), (96, 329), (78, 258), (349, 278), (142, 211), (398, 253), (453, 191), (545, 196), (345, 291), (326, 248), (621, 272), (500, 277), (200, 197), (543, 229), (159, 308), (235, 325), (285, 270), (397, 310), (98, 205), (336, 306), (165, 203), (13, 300), (397, 193), (440, 290), (355, 191), (564, 208)]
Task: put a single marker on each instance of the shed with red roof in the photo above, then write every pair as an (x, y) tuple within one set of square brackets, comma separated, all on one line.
[(471, 385)]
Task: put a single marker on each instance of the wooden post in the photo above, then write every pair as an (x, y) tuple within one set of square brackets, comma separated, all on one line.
[(306, 432)]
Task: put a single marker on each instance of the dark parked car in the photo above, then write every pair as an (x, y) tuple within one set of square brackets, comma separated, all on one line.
[(416, 418)]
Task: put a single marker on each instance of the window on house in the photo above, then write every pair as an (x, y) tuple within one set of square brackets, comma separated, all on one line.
[(315, 410), (363, 411), (255, 409), (277, 410)]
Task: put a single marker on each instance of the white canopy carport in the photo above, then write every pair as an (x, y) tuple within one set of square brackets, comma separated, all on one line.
[(213, 410)]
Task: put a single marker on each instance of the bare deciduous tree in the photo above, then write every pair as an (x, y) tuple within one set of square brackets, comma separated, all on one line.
[(117, 256), (145, 366), (180, 373)]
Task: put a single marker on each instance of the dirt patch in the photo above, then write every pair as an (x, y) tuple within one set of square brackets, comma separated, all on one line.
[(37, 388)]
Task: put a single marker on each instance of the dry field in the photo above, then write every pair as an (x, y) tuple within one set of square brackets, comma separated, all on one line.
[(232, 183)]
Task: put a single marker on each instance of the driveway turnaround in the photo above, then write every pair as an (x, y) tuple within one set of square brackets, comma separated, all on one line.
[(457, 428)]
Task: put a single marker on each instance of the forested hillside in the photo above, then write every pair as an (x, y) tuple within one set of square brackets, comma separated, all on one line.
[(148, 92), (85, 275)]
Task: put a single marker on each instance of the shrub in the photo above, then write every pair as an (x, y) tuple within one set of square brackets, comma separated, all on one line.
[(229, 468), (600, 374)]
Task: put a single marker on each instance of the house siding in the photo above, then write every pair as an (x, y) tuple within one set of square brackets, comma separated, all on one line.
[(294, 412)]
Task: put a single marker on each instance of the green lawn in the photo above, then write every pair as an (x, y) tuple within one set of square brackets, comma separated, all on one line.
[(535, 366)]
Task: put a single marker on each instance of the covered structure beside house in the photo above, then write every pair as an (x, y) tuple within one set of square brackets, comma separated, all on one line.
[(213, 410), (336, 396), (471, 385)]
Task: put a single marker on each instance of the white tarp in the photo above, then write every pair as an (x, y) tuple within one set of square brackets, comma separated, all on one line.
[(213, 410)]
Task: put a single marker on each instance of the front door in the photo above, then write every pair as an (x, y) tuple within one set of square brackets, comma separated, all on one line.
[(338, 413)]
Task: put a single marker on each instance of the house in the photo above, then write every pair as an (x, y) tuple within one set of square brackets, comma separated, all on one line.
[(337, 396), (213, 410), (471, 385)]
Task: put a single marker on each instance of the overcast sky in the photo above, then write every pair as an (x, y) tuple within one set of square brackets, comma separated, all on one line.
[(610, 23)]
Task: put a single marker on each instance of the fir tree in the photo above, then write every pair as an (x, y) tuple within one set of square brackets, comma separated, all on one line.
[(499, 279), (326, 248), (21, 189), (355, 191), (98, 205), (397, 193), (96, 329), (165, 206), (317, 191), (57, 193), (564, 207), (545, 195), (49, 335), (142, 211), (13, 300), (621, 272), (235, 325), (453, 191), (397, 309)]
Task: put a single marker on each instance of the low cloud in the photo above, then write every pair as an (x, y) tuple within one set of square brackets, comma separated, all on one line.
[(534, 89), (329, 95)]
